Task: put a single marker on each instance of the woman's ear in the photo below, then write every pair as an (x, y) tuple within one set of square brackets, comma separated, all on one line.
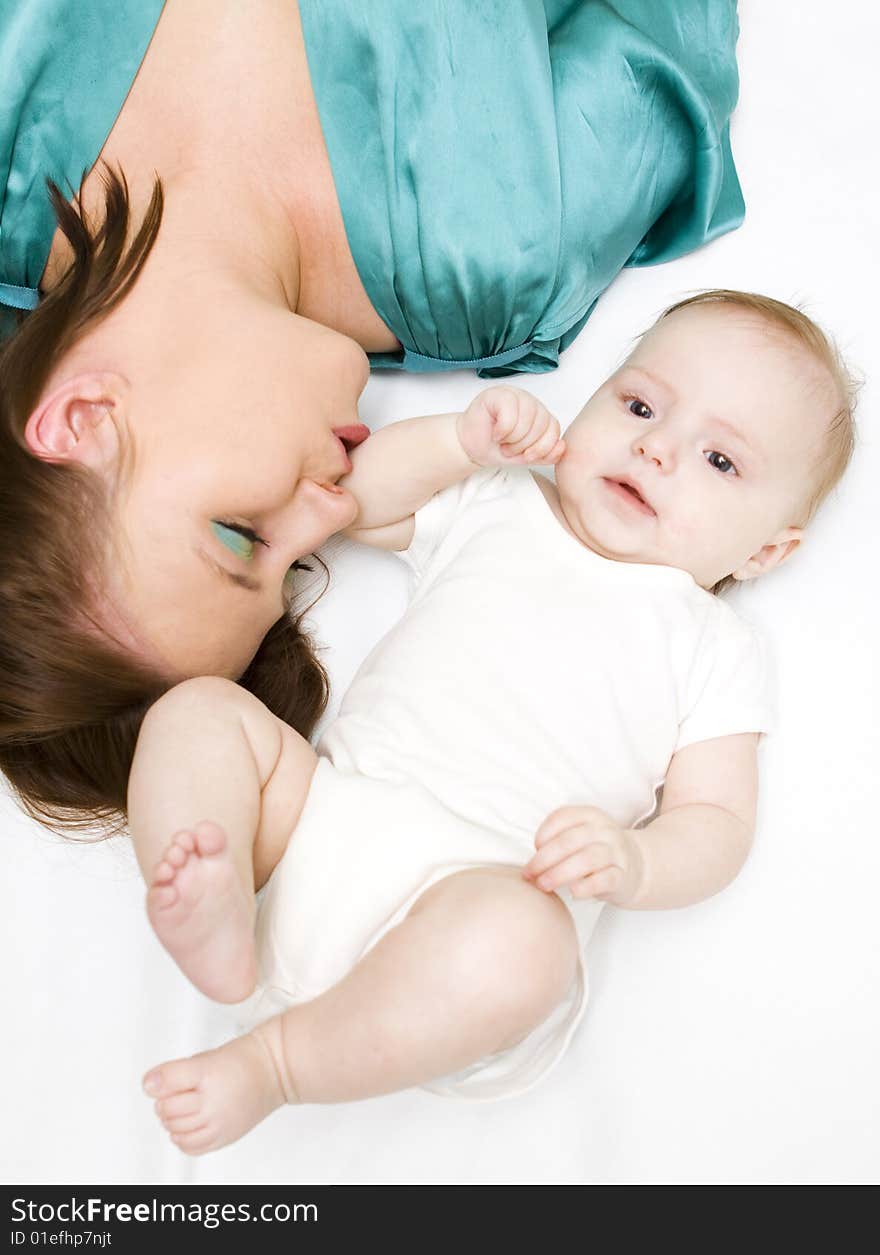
[(76, 422), (770, 555)]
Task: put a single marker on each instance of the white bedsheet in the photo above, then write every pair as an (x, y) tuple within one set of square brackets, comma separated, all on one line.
[(735, 1041)]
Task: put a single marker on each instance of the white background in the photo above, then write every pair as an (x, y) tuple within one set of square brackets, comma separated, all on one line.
[(735, 1041)]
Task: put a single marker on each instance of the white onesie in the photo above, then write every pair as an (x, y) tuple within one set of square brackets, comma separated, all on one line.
[(527, 673)]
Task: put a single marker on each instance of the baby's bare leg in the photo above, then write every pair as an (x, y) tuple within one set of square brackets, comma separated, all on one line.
[(204, 814), (481, 959)]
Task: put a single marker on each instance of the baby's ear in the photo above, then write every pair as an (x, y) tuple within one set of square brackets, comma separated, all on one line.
[(771, 554)]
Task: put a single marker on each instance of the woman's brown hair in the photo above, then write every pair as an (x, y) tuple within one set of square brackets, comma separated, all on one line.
[(71, 701)]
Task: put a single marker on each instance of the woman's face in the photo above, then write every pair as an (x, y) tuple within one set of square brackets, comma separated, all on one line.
[(232, 477)]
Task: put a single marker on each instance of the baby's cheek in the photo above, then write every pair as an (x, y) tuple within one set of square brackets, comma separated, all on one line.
[(690, 539), (577, 466)]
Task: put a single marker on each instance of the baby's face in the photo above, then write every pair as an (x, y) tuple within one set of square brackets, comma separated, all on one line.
[(698, 452)]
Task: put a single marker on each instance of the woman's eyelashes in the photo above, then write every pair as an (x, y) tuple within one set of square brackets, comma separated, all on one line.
[(237, 537)]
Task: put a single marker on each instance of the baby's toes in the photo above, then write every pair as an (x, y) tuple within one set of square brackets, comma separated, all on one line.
[(164, 872), (194, 1143), (173, 1078), (209, 838), (161, 896), (176, 855), (189, 1103), (184, 840), (185, 1124)]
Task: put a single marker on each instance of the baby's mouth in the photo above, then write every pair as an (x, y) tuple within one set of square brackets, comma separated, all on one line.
[(626, 490)]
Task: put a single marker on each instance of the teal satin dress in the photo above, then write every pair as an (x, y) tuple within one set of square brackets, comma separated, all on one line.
[(497, 161), (66, 67)]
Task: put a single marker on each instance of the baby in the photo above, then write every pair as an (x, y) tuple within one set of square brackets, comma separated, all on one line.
[(432, 873)]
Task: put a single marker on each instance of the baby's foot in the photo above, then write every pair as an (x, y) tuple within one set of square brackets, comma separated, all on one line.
[(212, 1099), (202, 914)]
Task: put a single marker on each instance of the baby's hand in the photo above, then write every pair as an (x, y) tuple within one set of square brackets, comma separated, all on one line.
[(583, 848), (506, 426)]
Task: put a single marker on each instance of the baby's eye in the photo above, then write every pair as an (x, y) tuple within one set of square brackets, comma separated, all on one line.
[(638, 407), (237, 538), (720, 462)]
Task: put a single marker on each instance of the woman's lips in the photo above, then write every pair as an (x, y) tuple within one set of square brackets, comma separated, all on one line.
[(352, 435), (349, 438)]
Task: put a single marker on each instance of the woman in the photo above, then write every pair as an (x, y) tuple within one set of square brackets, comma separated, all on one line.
[(439, 186)]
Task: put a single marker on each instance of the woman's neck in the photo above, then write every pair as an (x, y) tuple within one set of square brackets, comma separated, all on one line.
[(223, 110)]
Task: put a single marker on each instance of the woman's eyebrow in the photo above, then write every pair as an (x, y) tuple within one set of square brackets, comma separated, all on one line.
[(242, 581)]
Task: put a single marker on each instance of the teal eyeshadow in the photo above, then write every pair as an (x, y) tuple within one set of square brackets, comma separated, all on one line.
[(238, 544)]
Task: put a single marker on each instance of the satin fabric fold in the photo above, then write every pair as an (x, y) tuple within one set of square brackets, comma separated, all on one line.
[(498, 161), (66, 67)]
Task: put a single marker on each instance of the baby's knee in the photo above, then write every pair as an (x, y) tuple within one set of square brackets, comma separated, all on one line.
[(532, 957), (204, 702), (192, 698), (516, 948)]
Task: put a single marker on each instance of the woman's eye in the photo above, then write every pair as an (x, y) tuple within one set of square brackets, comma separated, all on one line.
[(720, 462), (639, 408), (239, 539)]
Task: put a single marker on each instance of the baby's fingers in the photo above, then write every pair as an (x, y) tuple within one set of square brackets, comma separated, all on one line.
[(548, 449), (511, 414), (530, 427), (570, 817), (548, 459), (601, 885), (555, 851), (577, 867)]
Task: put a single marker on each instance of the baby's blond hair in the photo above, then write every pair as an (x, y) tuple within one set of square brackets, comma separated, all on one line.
[(801, 330)]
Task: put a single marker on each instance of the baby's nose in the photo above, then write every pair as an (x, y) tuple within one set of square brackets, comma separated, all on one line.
[(646, 451), (655, 447)]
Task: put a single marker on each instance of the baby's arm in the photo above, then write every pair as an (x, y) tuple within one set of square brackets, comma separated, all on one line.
[(696, 845), (401, 467)]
